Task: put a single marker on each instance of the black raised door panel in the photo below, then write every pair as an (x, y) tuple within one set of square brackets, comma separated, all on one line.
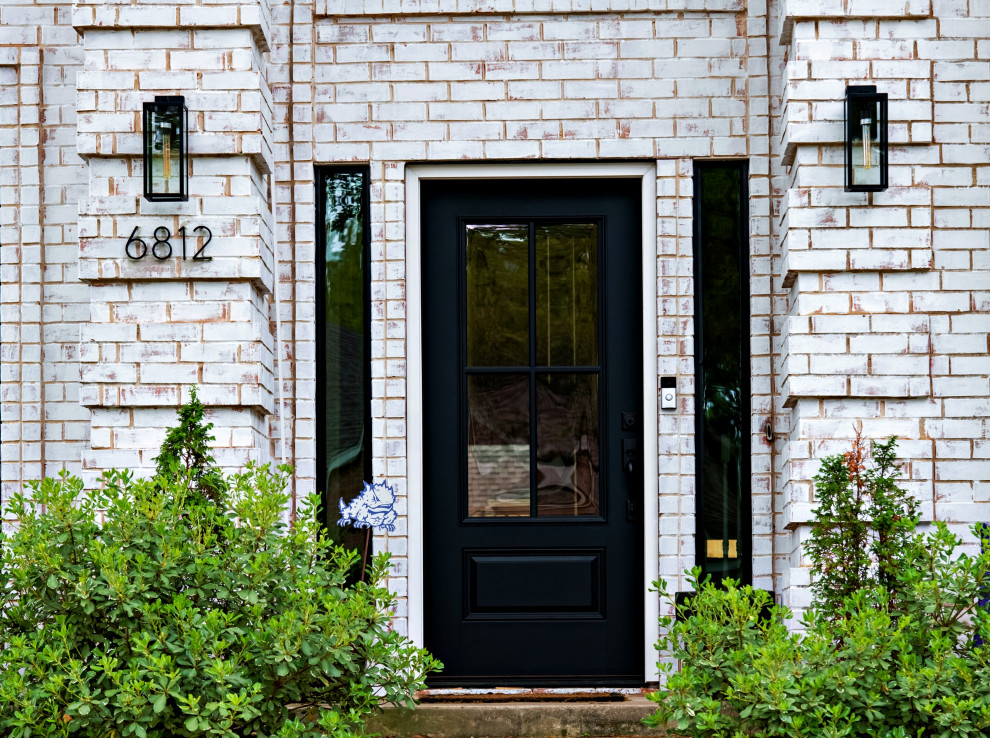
[(533, 584), (532, 346)]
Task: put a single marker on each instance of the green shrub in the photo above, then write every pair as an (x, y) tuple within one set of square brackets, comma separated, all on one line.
[(186, 452), (862, 527), (868, 665), (150, 608)]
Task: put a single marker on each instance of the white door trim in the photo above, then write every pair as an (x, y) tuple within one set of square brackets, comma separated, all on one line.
[(646, 171)]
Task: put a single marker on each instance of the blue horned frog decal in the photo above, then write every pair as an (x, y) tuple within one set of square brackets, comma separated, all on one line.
[(372, 508)]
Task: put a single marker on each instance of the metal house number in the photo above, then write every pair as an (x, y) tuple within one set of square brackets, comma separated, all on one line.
[(136, 248)]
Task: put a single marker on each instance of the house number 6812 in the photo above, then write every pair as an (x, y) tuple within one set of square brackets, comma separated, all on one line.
[(136, 248)]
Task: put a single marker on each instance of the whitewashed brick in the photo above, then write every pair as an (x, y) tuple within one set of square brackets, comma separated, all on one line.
[(874, 282)]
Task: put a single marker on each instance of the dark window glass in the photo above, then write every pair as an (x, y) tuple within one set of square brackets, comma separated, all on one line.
[(567, 450), (498, 452), (343, 339), (532, 315), (722, 372), (497, 259), (566, 294)]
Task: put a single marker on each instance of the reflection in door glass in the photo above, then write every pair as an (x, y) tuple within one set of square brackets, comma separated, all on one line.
[(505, 385), (566, 294), (497, 295), (567, 451), (498, 445)]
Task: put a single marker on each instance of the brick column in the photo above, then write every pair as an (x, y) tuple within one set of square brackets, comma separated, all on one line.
[(158, 327), (882, 328)]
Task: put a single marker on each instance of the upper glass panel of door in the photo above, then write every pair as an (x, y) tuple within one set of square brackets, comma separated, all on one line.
[(499, 323), (497, 302), (532, 369)]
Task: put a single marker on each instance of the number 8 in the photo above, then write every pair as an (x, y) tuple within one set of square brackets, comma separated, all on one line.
[(165, 241)]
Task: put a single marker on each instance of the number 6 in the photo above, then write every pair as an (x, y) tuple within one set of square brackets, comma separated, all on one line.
[(135, 239)]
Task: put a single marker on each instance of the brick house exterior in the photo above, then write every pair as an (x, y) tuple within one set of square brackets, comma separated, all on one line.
[(869, 308)]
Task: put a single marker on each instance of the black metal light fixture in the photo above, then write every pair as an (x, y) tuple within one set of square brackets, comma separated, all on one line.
[(866, 139), (165, 145)]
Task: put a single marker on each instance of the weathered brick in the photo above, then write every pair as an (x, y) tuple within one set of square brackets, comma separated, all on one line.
[(873, 280)]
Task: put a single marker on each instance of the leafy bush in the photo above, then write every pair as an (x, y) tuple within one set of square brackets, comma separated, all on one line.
[(150, 608), (868, 665)]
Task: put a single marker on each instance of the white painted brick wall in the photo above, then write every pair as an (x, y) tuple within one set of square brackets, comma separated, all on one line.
[(891, 274), (865, 308)]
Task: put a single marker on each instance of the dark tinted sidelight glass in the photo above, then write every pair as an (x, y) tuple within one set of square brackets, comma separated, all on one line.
[(343, 372), (722, 355)]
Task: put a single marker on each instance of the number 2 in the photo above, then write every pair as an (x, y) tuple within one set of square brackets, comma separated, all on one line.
[(209, 237)]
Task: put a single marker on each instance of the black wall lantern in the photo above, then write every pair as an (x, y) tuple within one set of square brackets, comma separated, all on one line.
[(165, 168), (866, 139)]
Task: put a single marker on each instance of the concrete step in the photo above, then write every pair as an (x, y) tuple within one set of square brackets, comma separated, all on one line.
[(528, 717)]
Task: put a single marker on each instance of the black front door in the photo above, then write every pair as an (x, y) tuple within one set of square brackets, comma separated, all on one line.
[(532, 400)]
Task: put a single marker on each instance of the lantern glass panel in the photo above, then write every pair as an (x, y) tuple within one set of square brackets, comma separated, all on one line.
[(864, 123), (165, 148)]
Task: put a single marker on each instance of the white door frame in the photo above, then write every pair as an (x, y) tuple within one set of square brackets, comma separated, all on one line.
[(646, 172)]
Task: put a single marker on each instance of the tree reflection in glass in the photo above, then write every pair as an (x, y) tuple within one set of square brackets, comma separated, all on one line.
[(566, 294), (346, 406), (497, 295), (531, 308), (567, 450)]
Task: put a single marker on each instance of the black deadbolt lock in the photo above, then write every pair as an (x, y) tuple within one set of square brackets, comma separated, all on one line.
[(628, 420)]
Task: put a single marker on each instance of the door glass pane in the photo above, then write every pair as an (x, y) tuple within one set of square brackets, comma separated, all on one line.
[(498, 445), (566, 294), (567, 449), (497, 295)]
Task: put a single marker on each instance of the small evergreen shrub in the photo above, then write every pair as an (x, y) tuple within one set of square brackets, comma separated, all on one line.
[(185, 606), (186, 452), (901, 653), (863, 525)]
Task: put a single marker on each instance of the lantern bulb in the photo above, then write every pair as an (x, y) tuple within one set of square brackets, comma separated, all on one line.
[(167, 162), (866, 123)]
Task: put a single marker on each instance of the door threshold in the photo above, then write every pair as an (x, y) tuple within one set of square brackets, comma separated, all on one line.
[(520, 696)]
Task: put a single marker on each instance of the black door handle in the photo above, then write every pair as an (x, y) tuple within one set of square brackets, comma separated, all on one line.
[(630, 458), (629, 454)]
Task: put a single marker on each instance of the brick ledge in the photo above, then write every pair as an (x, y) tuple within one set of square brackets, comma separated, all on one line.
[(843, 10), (369, 8), (247, 14)]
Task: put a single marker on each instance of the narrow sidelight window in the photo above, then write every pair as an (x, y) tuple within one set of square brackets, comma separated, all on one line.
[(722, 371), (343, 341)]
